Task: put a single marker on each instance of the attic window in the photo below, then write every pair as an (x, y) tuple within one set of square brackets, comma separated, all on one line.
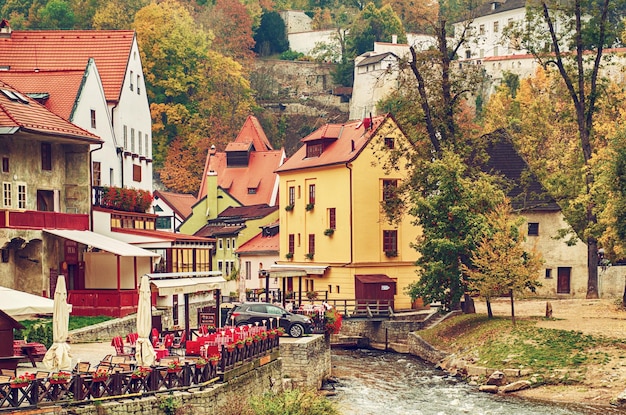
[(251, 190), (314, 150), (15, 96)]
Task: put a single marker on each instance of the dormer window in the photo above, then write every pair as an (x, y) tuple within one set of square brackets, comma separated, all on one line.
[(314, 149)]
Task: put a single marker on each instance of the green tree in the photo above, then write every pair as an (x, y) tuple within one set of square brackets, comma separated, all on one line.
[(271, 36), (374, 25), (449, 202), (117, 14), (501, 264), (56, 14)]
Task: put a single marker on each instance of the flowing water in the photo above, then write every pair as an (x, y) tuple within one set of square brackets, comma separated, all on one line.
[(378, 383)]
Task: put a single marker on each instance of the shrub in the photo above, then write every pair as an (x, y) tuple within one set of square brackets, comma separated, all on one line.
[(332, 321), (293, 402), (290, 55)]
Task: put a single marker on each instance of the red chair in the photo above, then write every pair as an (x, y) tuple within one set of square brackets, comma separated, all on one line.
[(131, 338), (179, 344), (192, 348), (118, 343), (168, 341), (155, 337)]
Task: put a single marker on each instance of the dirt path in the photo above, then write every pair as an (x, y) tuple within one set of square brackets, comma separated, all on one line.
[(603, 382)]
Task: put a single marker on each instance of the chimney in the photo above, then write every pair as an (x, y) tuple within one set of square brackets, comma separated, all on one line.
[(5, 29), (394, 39)]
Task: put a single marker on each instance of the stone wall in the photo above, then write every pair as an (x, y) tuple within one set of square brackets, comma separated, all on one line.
[(196, 401), (306, 361), (385, 332), (105, 330)]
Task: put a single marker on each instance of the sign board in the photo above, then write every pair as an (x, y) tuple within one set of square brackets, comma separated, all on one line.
[(207, 316), (71, 251)]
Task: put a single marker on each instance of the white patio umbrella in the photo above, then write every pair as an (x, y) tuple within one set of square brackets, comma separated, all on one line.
[(58, 355), (144, 352)]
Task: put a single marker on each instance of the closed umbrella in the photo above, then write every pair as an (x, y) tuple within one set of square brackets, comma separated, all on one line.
[(58, 355), (144, 352)]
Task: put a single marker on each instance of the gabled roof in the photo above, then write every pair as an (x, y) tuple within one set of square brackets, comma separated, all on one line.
[(180, 203), (344, 142), (62, 87), (70, 50), (262, 162), (375, 58), (261, 245), (19, 112), (244, 213), (212, 231), (527, 193), (498, 6)]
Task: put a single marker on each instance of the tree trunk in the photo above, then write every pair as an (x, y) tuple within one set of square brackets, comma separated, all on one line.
[(624, 296), (469, 304), (489, 312), (512, 307), (592, 268)]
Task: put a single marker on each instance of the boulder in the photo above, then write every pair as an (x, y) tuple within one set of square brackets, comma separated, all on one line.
[(488, 388), (497, 378), (515, 386)]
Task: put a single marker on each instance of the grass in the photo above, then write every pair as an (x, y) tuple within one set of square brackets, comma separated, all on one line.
[(496, 343), (76, 322)]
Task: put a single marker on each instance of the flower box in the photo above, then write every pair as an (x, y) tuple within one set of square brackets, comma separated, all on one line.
[(99, 378), (58, 381)]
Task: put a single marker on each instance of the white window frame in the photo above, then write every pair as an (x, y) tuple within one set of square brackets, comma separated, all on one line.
[(7, 195), (22, 195)]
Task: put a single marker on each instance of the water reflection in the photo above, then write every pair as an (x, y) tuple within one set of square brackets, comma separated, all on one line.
[(375, 383)]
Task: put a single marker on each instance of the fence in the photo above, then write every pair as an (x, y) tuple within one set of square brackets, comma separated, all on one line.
[(40, 390)]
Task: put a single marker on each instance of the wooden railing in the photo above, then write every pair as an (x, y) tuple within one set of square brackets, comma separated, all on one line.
[(84, 387), (362, 308), (35, 219)]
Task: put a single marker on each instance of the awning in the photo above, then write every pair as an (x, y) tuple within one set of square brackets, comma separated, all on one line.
[(374, 279), (284, 271), (20, 303), (186, 282), (102, 242)]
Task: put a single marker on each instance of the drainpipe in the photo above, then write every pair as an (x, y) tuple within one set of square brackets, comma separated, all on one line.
[(349, 167), (91, 184)]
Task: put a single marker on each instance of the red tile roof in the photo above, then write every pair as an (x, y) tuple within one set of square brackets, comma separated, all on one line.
[(163, 235), (260, 244), (71, 49), (62, 86), (29, 116), (179, 202), (344, 142), (211, 231), (262, 162)]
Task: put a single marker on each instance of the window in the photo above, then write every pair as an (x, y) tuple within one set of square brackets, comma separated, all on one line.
[(136, 173), (21, 196), (132, 140), (292, 195), (481, 29), (337, 289), (291, 243), (468, 54), (220, 243), (125, 137), (164, 222), (548, 273), (248, 270), (251, 190), (330, 289), (140, 142), (314, 150), (227, 243), (389, 189), (132, 76), (147, 147), (233, 243), (312, 194), (533, 229), (96, 174), (390, 241), (5, 164), (7, 195), (496, 27), (332, 218), (390, 143), (220, 265), (138, 89), (93, 118), (46, 156), (311, 243)]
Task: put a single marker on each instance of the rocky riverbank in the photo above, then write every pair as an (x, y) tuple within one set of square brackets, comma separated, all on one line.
[(599, 381)]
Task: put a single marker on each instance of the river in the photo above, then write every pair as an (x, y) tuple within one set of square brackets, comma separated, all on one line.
[(377, 383)]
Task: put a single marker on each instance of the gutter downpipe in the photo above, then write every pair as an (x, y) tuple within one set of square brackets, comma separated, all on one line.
[(349, 167), (91, 184)]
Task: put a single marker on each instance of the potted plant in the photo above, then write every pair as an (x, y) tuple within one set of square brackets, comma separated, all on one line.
[(289, 255), (272, 334), (240, 343), (230, 347), (201, 362), (309, 255), (256, 338), (263, 335), (391, 253), (280, 331), (310, 206), (58, 378), (249, 341), (329, 232), (101, 375), (214, 359), (21, 381), (289, 208), (141, 372), (311, 295), (174, 367)]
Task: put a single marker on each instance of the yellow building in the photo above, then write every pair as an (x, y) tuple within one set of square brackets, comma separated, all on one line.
[(334, 237)]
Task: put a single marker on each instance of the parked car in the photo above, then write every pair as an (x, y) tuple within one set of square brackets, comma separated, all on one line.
[(295, 325)]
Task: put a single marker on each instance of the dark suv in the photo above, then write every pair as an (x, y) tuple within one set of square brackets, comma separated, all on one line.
[(295, 325)]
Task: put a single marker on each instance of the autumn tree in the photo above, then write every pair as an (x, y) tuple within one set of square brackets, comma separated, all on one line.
[(271, 36), (117, 14), (414, 15), (501, 264), (576, 34)]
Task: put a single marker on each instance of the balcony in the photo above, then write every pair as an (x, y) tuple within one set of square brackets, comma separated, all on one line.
[(34, 219)]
